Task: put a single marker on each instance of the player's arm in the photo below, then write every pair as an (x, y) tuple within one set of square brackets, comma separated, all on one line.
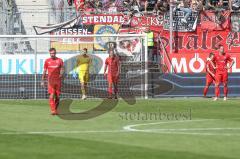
[(105, 67), (77, 63), (118, 65), (61, 69), (209, 71), (90, 61), (212, 63), (231, 62), (44, 73)]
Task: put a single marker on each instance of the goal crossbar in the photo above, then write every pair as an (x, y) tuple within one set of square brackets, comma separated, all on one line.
[(73, 36)]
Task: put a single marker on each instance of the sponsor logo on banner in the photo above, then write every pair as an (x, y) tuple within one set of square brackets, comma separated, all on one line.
[(100, 42), (178, 25), (103, 19), (25, 64), (73, 44), (211, 20), (121, 19), (195, 63)]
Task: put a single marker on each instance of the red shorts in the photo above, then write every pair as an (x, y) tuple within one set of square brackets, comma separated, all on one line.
[(54, 87), (113, 79), (209, 79), (221, 77)]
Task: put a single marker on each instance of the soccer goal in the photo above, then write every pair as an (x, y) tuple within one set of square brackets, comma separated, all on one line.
[(22, 59)]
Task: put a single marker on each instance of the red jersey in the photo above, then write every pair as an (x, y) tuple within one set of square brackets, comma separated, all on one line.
[(221, 62), (113, 64), (53, 67), (210, 67)]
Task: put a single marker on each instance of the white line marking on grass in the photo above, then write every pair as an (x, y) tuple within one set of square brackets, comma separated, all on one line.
[(62, 132), (130, 127), (194, 133), (178, 131), (194, 129)]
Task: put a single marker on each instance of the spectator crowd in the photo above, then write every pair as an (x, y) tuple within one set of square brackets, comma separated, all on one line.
[(157, 7)]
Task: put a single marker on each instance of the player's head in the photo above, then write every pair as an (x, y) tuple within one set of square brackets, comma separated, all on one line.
[(221, 49), (111, 45), (52, 52), (85, 51), (211, 55), (111, 53)]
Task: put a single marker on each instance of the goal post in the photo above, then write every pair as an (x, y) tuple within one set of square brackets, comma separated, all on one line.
[(23, 56)]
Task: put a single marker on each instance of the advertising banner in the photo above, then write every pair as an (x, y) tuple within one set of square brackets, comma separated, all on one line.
[(201, 41), (195, 63), (73, 44), (26, 64)]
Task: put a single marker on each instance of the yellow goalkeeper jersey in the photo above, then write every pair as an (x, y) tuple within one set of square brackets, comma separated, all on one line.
[(83, 62)]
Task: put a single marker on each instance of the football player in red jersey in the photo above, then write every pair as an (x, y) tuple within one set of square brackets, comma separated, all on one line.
[(54, 67), (112, 64), (221, 61), (210, 73)]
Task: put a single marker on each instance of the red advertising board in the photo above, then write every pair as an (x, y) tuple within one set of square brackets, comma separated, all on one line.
[(190, 50), (195, 63), (201, 41)]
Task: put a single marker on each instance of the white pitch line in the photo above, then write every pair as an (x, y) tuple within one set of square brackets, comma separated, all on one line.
[(194, 129), (130, 127), (62, 132), (192, 133), (178, 131)]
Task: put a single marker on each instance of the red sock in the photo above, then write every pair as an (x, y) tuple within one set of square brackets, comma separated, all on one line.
[(205, 90), (110, 91), (225, 91), (52, 104), (217, 91)]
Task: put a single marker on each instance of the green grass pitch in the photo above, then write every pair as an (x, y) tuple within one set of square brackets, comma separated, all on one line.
[(191, 128)]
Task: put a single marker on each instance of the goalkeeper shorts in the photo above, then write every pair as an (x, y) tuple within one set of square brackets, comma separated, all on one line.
[(83, 76)]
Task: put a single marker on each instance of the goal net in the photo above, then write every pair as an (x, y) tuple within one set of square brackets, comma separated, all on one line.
[(22, 59)]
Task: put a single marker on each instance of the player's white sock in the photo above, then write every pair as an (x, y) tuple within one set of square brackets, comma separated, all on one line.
[(215, 98), (225, 98)]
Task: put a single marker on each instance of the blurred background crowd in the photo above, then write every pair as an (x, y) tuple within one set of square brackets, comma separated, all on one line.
[(153, 6)]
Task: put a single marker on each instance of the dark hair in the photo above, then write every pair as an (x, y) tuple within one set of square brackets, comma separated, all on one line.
[(211, 54), (52, 49), (85, 49)]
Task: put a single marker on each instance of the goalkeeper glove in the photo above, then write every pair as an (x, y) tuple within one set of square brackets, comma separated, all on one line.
[(75, 75)]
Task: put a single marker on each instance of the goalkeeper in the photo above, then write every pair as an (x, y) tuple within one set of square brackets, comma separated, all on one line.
[(82, 64)]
